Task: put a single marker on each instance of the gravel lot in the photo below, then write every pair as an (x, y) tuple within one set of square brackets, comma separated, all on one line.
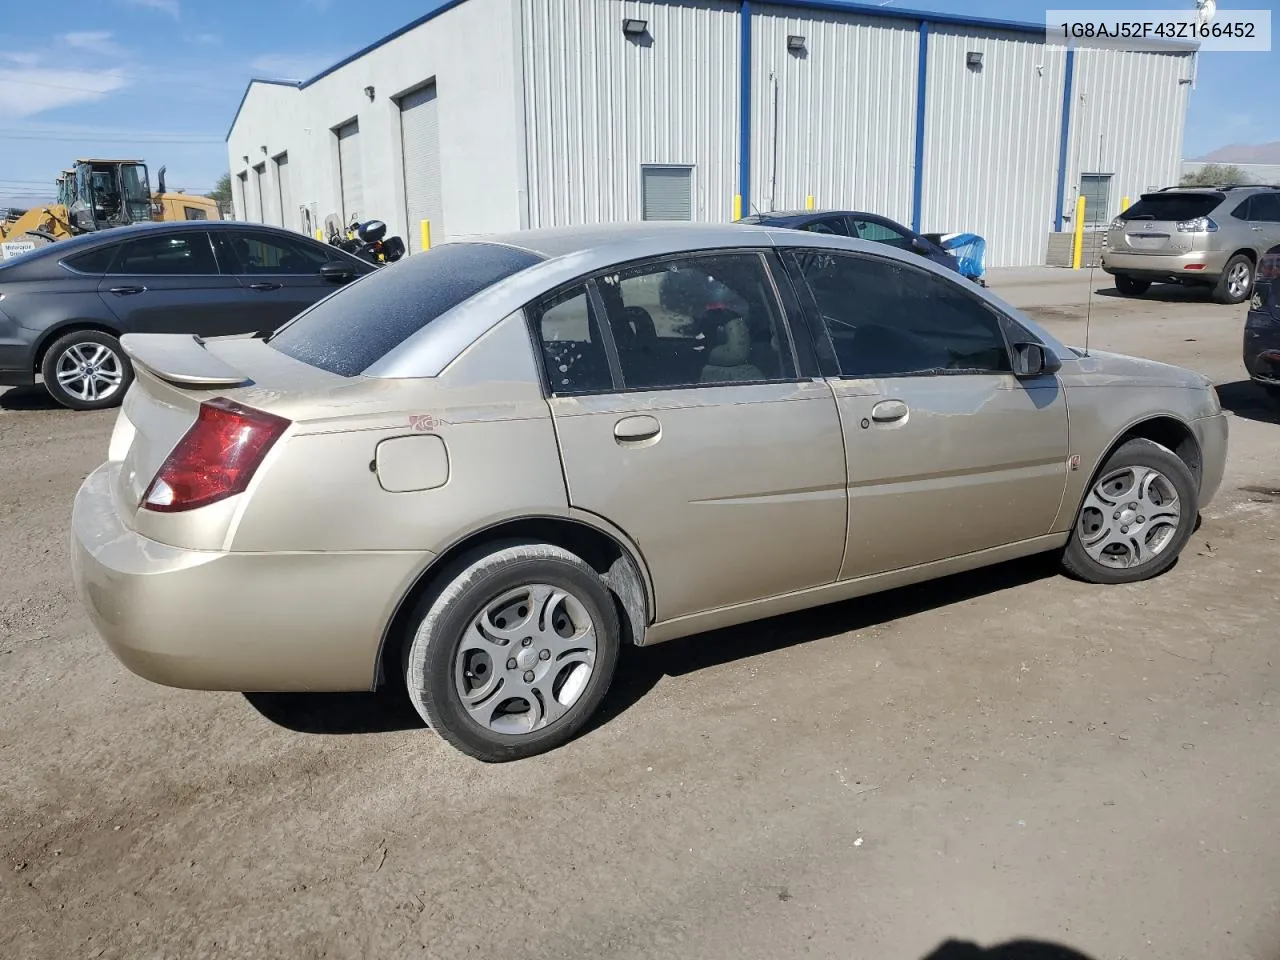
[(1001, 754)]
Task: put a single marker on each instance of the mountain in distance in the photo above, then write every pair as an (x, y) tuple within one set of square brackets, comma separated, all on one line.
[(1267, 153)]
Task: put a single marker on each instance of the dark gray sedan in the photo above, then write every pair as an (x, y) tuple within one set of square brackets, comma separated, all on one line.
[(64, 306), (860, 226)]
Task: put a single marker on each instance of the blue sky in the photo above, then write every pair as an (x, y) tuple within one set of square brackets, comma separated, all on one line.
[(160, 79)]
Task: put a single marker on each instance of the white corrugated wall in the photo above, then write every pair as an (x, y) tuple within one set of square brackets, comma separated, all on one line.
[(992, 136), (1128, 111), (844, 127), (600, 104)]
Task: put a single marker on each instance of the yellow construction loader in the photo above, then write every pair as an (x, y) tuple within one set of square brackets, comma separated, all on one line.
[(97, 195)]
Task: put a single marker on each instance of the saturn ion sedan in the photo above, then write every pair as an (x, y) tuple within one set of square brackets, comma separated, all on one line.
[(488, 467)]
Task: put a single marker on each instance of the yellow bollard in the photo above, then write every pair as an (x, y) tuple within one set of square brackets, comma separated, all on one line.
[(1124, 204), (737, 206), (808, 202), (320, 235), (425, 227), (1077, 251)]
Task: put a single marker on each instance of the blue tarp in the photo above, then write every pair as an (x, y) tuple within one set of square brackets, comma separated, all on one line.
[(968, 249)]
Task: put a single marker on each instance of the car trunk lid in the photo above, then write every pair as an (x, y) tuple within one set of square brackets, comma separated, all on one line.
[(175, 373)]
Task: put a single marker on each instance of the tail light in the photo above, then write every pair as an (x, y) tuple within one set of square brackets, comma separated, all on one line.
[(215, 459), (1198, 225), (1268, 267)]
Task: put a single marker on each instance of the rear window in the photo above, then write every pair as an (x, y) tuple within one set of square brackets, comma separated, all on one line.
[(351, 331), (1173, 206)]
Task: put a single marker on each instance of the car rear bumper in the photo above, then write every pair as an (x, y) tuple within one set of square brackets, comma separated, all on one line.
[(1156, 267), (211, 620), (1211, 434), (1262, 347)]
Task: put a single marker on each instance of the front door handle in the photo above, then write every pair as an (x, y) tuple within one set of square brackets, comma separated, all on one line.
[(636, 429), (888, 411), (264, 285), (126, 291)]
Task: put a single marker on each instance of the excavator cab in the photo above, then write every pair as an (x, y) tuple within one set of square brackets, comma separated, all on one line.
[(108, 193)]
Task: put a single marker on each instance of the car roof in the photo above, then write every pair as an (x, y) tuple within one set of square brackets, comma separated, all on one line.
[(570, 253), (553, 242)]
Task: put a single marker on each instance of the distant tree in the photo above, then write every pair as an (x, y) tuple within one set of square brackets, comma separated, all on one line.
[(1215, 175), (221, 190)]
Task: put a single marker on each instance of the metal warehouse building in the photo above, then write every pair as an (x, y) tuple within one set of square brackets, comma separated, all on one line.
[(489, 115)]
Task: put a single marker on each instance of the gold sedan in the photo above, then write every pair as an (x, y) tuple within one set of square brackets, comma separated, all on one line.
[(491, 465)]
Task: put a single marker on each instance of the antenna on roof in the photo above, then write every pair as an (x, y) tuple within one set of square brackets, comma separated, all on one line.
[(1093, 262)]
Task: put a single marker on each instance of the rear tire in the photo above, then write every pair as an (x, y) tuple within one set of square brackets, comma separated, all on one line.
[(1236, 282), (514, 651), (86, 370), (1135, 518), (1130, 286)]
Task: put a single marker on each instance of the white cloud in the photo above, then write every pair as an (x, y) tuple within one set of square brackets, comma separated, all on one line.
[(207, 38), (164, 6), (27, 92), (291, 66), (93, 41), (23, 59)]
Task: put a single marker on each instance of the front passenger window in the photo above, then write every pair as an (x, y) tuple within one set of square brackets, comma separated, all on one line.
[(886, 319), (261, 254)]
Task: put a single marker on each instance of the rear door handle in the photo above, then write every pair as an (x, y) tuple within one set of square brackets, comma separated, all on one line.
[(888, 411), (636, 429), (264, 285), (126, 291)]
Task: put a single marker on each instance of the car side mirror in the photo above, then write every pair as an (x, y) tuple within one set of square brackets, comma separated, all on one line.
[(1033, 360), (337, 272)]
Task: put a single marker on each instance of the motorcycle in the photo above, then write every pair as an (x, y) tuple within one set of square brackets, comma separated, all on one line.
[(368, 241)]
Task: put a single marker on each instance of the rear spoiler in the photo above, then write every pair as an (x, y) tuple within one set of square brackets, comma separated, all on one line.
[(180, 359)]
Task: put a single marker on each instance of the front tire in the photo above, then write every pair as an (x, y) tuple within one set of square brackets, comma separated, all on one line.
[(1236, 282), (1130, 286), (1137, 515), (86, 370), (513, 654)]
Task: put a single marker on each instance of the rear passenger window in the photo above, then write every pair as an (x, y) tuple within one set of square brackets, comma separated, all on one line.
[(1265, 207), (95, 261), (889, 320), (696, 321), (572, 353), (187, 254)]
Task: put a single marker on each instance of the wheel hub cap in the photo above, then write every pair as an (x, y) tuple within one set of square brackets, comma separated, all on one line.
[(1129, 517), (525, 659)]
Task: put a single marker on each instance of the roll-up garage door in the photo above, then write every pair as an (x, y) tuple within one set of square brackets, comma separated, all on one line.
[(259, 193), (288, 216), (262, 192), (420, 139), (666, 193), (349, 166)]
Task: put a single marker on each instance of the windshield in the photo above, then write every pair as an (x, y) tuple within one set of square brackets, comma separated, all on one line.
[(349, 332), (1173, 206)]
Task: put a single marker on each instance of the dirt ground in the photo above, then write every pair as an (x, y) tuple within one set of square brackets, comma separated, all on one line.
[(1001, 754)]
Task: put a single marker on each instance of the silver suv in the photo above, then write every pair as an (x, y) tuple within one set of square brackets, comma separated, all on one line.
[(1196, 236)]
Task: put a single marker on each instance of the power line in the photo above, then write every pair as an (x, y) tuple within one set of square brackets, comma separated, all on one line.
[(113, 75), (192, 139)]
